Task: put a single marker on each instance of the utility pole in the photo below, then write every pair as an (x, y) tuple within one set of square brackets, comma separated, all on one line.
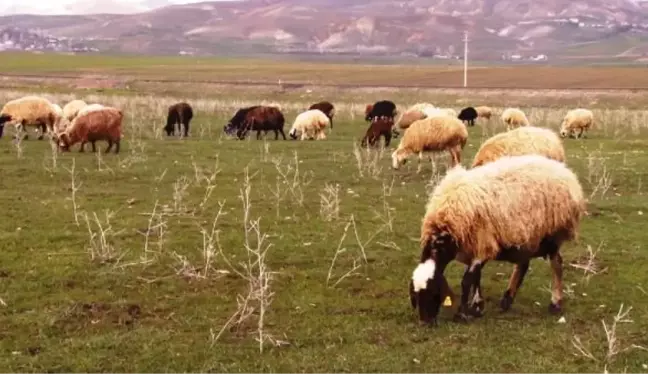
[(465, 40)]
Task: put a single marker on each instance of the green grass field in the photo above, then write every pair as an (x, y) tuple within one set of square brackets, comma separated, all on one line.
[(147, 285)]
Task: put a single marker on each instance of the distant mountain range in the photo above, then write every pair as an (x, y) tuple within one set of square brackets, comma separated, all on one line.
[(511, 29)]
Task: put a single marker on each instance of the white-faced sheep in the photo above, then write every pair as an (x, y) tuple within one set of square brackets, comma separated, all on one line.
[(576, 122), (434, 134), (29, 111), (514, 117), (521, 141), (513, 209), (71, 109), (310, 125), (484, 112), (101, 124)]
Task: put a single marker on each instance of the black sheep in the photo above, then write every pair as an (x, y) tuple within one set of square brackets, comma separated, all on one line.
[(180, 113), (469, 115)]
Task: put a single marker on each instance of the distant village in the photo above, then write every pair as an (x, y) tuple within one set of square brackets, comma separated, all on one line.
[(13, 39)]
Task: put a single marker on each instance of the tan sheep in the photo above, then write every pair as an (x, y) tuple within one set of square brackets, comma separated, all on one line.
[(576, 122), (514, 117), (513, 209), (100, 124), (521, 141), (413, 113), (484, 112), (89, 108), (71, 109), (61, 122), (29, 111), (310, 125), (434, 134), (449, 112)]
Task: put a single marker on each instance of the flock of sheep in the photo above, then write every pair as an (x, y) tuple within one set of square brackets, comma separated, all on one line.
[(518, 200)]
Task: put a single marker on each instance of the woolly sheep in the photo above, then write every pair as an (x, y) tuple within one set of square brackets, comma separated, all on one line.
[(468, 114), (414, 113), (484, 112), (327, 108), (29, 111), (99, 124), (379, 127), (514, 117), (383, 108), (521, 141), (310, 125), (513, 209), (433, 134), (71, 109), (89, 108), (60, 123), (577, 122)]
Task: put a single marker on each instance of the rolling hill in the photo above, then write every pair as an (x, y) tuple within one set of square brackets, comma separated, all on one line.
[(512, 29)]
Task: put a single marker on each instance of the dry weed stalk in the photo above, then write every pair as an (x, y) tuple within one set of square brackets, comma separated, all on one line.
[(136, 153), (157, 225), (368, 160), (207, 177), (386, 215), (589, 263), (255, 272), (292, 179), (357, 260), (613, 346), (74, 188), (330, 202), (101, 165), (18, 141), (597, 175), (180, 187), (52, 160), (101, 247)]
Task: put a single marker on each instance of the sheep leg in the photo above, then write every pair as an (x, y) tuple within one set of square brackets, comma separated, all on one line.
[(276, 134), (477, 301), (514, 284), (282, 134), (471, 279), (117, 146), (388, 137), (555, 306), (81, 148), (110, 144), (186, 129), (94, 148), (43, 130)]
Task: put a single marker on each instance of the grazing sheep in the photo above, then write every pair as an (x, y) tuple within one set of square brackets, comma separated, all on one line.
[(310, 125), (380, 127), (181, 114), (257, 118), (432, 134), (101, 124), (521, 141), (29, 111), (514, 117), (89, 108), (414, 113), (384, 108), (325, 107), (513, 209), (469, 115), (71, 109), (449, 112), (60, 122), (576, 122), (484, 112)]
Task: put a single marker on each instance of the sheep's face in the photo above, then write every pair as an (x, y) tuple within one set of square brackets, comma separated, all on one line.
[(427, 285), (563, 130), (397, 160), (64, 142), (229, 129)]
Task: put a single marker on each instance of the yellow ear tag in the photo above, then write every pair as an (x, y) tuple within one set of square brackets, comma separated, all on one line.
[(447, 301)]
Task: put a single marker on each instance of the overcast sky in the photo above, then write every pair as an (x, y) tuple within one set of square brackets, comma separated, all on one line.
[(82, 6)]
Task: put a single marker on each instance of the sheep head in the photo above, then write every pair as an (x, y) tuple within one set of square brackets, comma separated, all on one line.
[(428, 286)]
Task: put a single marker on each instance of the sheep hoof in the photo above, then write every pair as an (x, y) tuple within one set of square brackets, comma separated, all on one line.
[(555, 308), (477, 309), (506, 302), (460, 317)]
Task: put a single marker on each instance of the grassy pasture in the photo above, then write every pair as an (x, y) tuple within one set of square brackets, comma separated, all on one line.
[(146, 285)]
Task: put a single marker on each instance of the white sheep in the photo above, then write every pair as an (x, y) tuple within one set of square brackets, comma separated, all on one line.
[(89, 108), (433, 134), (29, 111), (521, 141), (513, 209), (71, 109), (484, 112), (310, 125), (514, 117), (576, 122)]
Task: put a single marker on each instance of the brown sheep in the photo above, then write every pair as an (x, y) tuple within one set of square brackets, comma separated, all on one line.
[(101, 124), (379, 127)]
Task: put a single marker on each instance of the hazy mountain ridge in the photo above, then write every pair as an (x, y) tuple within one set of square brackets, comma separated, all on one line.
[(419, 27)]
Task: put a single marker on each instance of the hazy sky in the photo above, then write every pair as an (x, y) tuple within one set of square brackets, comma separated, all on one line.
[(64, 6)]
